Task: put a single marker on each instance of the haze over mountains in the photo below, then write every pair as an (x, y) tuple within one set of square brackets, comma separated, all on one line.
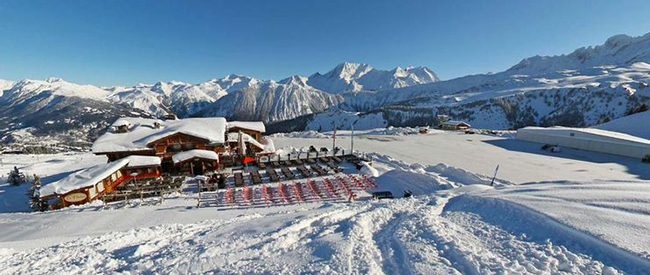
[(583, 88)]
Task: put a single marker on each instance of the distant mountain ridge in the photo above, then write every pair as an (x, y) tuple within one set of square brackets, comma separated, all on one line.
[(586, 87)]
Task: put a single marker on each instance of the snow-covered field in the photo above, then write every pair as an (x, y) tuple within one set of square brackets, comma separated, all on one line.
[(572, 212)]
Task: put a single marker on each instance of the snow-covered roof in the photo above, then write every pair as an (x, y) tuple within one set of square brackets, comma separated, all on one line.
[(587, 133), (139, 161), (250, 125), (143, 131), (83, 178), (196, 153), (266, 145), (454, 122)]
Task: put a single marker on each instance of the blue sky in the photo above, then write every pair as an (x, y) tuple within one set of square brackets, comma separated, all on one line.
[(130, 42)]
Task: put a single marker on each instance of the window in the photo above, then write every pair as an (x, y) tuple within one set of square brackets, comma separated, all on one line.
[(92, 192), (188, 146), (174, 148), (118, 173), (113, 177), (100, 187)]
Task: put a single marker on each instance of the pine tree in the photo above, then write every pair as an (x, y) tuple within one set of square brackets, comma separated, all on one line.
[(16, 177), (34, 194)]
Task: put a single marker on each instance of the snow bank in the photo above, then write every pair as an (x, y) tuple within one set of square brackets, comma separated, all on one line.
[(635, 125), (533, 223), (368, 170)]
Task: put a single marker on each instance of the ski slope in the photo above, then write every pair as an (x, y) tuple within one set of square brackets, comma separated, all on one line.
[(456, 223)]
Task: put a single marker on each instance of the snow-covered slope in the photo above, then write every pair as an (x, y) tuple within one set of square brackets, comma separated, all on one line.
[(617, 50), (348, 77), (5, 84), (454, 224), (635, 124), (70, 114)]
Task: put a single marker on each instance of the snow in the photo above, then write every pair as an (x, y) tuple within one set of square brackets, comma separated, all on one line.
[(250, 125), (574, 212), (348, 76), (519, 161), (144, 131), (368, 170), (615, 211), (196, 153), (588, 134), (83, 178), (141, 161), (635, 125)]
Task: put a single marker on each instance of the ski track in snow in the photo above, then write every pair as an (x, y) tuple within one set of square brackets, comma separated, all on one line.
[(402, 236)]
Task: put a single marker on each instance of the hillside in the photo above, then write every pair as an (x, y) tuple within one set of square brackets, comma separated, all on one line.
[(635, 124)]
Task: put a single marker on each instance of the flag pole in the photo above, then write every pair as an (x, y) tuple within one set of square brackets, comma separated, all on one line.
[(334, 138), (352, 139)]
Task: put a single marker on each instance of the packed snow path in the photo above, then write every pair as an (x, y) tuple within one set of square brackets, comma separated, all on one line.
[(519, 161), (407, 236)]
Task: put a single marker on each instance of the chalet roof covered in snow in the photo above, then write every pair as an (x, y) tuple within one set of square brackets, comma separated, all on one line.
[(141, 161), (455, 123), (250, 125), (83, 178), (143, 131), (267, 145), (196, 153)]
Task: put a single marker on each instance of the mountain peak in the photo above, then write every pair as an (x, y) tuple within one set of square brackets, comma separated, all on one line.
[(53, 79), (295, 80), (350, 76)]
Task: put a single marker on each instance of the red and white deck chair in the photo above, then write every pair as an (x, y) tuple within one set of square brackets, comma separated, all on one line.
[(229, 195), (369, 182), (297, 190), (314, 189), (329, 187), (357, 182), (247, 194), (267, 193), (284, 193), (344, 185)]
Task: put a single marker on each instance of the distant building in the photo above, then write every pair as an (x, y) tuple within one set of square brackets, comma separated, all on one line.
[(455, 125), (590, 139)]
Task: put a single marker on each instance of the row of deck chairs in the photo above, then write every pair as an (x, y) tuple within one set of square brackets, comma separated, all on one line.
[(328, 189), (278, 163)]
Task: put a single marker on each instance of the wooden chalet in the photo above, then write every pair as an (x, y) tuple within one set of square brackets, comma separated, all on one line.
[(254, 129), (164, 139), (455, 125), (91, 183)]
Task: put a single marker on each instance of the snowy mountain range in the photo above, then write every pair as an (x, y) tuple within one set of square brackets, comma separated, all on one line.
[(587, 87), (354, 77), (583, 88)]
